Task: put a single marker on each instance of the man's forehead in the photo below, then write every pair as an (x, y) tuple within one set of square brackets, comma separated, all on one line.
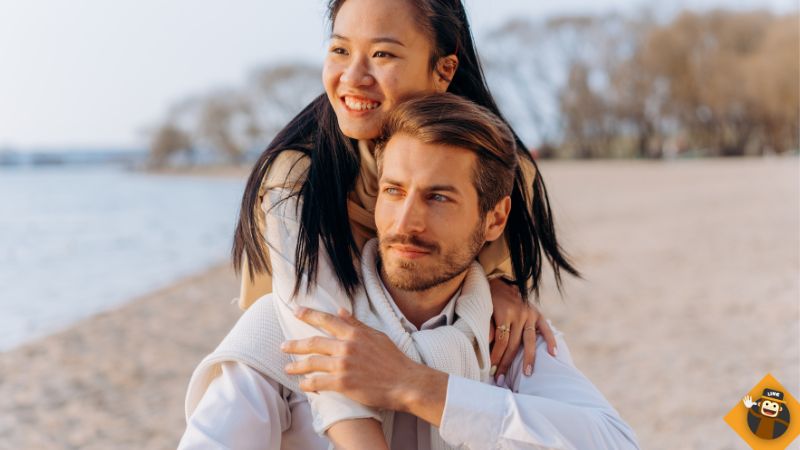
[(407, 159)]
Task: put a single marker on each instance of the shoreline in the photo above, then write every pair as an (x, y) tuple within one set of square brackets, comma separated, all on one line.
[(678, 260), (116, 379), (179, 280)]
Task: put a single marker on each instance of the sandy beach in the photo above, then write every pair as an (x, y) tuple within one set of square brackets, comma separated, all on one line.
[(690, 296)]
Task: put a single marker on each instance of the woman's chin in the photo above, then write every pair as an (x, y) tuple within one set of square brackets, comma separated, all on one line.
[(362, 133)]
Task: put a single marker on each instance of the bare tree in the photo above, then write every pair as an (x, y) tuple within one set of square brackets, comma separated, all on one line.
[(720, 82), (277, 93), (167, 141), (224, 123)]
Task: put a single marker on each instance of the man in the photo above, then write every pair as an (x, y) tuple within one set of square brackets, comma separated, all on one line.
[(445, 174)]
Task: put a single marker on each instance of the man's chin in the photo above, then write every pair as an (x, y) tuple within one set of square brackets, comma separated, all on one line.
[(405, 276)]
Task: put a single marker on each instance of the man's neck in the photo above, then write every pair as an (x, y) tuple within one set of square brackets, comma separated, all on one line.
[(419, 306)]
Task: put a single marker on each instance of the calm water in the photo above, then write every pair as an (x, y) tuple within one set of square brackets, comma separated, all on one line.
[(74, 242)]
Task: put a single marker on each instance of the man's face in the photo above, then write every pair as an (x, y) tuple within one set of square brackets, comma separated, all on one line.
[(429, 226)]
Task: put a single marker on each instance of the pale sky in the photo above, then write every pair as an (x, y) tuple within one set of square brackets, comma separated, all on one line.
[(96, 73)]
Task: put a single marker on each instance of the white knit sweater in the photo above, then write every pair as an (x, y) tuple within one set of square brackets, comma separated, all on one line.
[(461, 349)]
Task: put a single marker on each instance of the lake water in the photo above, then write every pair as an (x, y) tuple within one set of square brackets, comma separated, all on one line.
[(77, 241)]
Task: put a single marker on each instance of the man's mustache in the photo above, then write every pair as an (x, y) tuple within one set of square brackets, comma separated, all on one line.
[(407, 239)]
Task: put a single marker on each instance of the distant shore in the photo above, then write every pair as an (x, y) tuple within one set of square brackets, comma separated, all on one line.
[(242, 171), (680, 260), (215, 171)]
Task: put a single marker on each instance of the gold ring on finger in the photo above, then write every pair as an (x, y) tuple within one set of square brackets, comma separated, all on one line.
[(504, 328), (529, 328)]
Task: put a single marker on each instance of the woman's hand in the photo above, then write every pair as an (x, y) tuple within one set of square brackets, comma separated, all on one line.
[(515, 321)]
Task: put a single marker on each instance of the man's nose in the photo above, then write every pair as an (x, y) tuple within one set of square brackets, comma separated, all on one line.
[(357, 74), (411, 218)]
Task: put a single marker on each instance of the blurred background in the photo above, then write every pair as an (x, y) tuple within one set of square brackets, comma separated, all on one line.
[(667, 134)]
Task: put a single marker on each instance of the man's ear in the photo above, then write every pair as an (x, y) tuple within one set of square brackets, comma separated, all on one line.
[(497, 218), (445, 71)]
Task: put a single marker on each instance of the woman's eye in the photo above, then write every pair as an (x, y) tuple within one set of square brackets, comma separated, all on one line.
[(339, 51), (380, 54)]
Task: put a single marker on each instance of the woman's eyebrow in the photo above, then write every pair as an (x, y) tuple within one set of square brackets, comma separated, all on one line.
[(377, 40)]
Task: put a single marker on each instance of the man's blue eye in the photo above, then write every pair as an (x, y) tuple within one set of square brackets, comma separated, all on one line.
[(439, 198)]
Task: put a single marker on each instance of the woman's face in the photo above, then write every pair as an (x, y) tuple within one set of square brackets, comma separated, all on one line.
[(377, 57)]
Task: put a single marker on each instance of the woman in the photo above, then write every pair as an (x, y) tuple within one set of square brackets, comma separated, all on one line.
[(380, 53)]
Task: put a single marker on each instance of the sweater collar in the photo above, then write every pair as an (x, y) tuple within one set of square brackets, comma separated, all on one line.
[(445, 317)]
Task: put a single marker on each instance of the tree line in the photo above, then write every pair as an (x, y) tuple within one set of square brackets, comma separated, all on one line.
[(717, 83)]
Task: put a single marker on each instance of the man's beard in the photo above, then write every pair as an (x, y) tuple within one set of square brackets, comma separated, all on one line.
[(414, 277)]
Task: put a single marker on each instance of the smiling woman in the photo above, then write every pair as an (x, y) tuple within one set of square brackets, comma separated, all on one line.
[(376, 61), (381, 53)]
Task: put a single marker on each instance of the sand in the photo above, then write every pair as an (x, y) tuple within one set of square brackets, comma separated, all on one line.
[(690, 296)]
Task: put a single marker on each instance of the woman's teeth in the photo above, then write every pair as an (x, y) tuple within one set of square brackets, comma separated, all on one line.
[(358, 105)]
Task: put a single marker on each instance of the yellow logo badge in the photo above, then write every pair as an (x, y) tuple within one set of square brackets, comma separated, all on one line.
[(767, 417)]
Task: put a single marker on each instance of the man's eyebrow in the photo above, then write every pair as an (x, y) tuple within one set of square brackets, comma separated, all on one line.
[(433, 188), (443, 188), (377, 40), (390, 181)]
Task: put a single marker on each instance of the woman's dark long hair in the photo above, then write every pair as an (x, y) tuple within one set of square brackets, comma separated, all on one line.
[(335, 165)]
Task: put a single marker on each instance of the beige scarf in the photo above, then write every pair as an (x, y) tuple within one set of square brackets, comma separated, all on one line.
[(461, 349)]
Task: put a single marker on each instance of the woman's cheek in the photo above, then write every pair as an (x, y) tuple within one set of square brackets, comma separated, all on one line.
[(330, 74), (391, 85)]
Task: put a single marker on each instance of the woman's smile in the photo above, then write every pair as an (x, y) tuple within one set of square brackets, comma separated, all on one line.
[(359, 104), (377, 57)]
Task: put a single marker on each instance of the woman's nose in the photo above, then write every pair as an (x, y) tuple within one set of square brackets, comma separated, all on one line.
[(356, 74)]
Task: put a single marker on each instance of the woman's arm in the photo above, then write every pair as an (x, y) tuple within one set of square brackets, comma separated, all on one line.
[(331, 411), (519, 319)]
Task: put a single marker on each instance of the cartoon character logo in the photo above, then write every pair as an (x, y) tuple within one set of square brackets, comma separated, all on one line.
[(768, 417)]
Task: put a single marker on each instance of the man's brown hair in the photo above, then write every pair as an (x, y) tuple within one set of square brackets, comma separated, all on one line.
[(447, 119)]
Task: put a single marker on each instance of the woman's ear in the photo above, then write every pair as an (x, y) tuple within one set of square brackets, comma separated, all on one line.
[(496, 219), (445, 71)]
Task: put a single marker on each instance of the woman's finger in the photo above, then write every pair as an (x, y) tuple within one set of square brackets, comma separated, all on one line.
[(529, 352), (501, 336), (547, 334), (312, 364), (510, 352)]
